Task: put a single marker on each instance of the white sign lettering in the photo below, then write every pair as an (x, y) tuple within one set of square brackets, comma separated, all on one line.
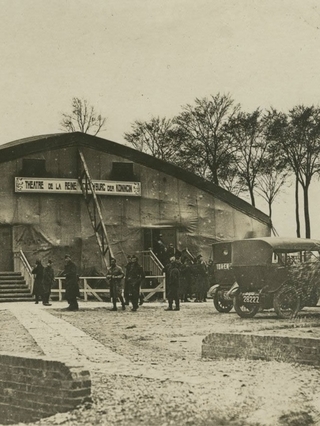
[(220, 266), (72, 186)]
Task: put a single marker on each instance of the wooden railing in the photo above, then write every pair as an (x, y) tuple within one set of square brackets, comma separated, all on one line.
[(154, 274), (154, 279), (21, 264), (85, 288)]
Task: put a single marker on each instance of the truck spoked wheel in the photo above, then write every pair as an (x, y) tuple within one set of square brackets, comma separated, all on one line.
[(244, 310), (221, 303), (287, 302)]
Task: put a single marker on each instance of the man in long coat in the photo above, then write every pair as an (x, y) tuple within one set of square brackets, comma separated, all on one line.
[(126, 286), (48, 280), (135, 277), (199, 272), (37, 271), (71, 284), (173, 283)]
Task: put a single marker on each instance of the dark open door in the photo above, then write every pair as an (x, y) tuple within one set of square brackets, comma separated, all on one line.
[(151, 236), (6, 255)]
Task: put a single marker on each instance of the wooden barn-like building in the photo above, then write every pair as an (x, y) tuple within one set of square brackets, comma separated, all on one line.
[(44, 213)]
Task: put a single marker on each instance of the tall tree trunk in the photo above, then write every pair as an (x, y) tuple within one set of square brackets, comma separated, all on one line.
[(270, 208), (253, 202), (215, 176), (297, 208), (306, 210)]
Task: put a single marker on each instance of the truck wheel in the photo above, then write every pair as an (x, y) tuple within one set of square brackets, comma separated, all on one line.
[(287, 302), (221, 303), (244, 310)]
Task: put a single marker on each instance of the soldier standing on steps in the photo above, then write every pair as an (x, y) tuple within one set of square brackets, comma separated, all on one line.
[(160, 250), (115, 275), (37, 271)]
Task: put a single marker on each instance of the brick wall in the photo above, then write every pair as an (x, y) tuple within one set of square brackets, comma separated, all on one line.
[(32, 388), (266, 347)]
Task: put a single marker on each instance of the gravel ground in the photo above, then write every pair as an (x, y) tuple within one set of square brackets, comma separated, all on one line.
[(14, 337), (185, 389)]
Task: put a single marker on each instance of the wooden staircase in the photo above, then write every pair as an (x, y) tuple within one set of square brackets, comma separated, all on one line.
[(13, 288)]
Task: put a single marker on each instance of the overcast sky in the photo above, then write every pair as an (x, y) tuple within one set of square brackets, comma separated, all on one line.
[(134, 59)]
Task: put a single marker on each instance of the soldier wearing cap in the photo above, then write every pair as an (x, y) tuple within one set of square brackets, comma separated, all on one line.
[(135, 277), (172, 251), (173, 283), (126, 286), (71, 283), (200, 278), (37, 271), (48, 281), (115, 275), (160, 249)]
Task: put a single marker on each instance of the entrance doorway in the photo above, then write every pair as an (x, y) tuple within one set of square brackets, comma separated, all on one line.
[(151, 236), (6, 255)]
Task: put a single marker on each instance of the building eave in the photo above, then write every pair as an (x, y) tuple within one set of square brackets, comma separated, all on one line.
[(37, 144)]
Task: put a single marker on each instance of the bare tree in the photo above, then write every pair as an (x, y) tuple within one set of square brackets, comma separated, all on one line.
[(270, 183), (229, 180), (202, 129), (83, 118), (276, 130), (155, 137), (247, 135), (298, 135)]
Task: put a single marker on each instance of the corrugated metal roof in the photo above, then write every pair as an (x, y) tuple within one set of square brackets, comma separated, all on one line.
[(36, 144)]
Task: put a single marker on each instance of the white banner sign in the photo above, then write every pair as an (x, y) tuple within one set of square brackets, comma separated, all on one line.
[(72, 186)]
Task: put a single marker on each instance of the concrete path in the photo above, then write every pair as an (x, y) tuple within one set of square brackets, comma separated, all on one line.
[(62, 341)]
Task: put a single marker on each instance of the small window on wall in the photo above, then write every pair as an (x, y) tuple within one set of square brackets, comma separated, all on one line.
[(122, 172), (33, 167)]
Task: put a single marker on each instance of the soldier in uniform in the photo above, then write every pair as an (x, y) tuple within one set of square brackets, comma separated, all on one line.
[(173, 283), (160, 250), (172, 251), (48, 280), (135, 277), (201, 279), (71, 283), (126, 287), (37, 271), (186, 280), (115, 275)]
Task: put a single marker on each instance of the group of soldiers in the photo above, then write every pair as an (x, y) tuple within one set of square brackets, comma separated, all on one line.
[(130, 291), (186, 278), (44, 280)]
